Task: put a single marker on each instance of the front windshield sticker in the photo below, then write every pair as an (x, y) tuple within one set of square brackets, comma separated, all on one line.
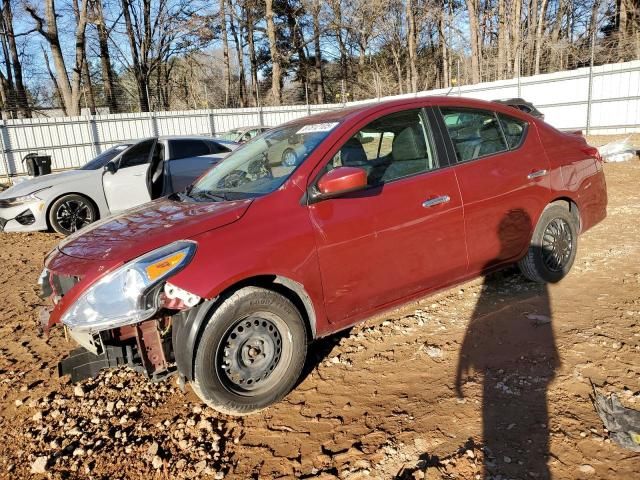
[(317, 127)]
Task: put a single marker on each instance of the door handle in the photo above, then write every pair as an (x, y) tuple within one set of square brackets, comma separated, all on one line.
[(536, 174), (432, 202)]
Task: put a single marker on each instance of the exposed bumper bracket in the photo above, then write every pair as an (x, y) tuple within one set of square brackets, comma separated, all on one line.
[(82, 364)]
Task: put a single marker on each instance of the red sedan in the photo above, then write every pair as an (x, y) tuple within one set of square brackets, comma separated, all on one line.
[(228, 282)]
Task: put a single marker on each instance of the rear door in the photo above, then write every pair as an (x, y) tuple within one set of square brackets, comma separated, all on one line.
[(503, 175), (404, 233), (127, 187)]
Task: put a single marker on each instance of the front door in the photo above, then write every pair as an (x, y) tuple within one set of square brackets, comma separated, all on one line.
[(127, 187), (403, 234), (503, 174)]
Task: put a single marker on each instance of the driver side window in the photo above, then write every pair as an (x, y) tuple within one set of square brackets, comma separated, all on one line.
[(139, 154), (389, 148)]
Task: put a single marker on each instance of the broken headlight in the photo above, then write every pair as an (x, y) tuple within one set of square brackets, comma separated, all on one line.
[(121, 297)]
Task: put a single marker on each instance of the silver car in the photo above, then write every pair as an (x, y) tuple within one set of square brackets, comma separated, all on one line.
[(122, 177), (242, 134)]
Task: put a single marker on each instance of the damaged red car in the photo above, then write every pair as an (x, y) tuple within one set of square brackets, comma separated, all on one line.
[(227, 283)]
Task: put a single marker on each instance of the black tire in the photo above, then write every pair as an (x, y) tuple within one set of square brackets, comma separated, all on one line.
[(553, 246), (72, 212), (263, 363)]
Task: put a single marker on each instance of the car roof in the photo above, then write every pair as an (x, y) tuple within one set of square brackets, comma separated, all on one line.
[(186, 137), (374, 107)]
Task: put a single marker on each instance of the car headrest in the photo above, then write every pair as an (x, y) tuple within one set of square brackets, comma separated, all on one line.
[(352, 152), (409, 144), (490, 132)]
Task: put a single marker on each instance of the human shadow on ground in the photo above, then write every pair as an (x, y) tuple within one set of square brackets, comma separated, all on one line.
[(509, 351), (510, 347)]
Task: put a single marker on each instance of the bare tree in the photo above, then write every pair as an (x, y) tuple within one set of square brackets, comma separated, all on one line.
[(69, 88), (276, 66), (108, 76)]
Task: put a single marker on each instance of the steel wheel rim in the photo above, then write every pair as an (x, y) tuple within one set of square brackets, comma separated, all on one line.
[(72, 215), (557, 245), (253, 354)]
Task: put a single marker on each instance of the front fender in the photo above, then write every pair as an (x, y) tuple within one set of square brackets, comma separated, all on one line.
[(186, 329)]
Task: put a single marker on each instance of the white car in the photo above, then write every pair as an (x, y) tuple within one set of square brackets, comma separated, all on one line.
[(122, 177)]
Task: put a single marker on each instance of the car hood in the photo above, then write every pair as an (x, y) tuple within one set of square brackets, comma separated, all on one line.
[(31, 185), (150, 226)]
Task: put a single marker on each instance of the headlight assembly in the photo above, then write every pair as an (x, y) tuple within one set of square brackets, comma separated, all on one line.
[(122, 297), (19, 200)]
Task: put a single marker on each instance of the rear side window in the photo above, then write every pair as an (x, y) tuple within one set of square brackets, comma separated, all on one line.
[(215, 147), (514, 130), (474, 133), (187, 148)]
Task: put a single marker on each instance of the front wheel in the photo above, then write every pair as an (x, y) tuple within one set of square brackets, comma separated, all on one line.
[(251, 352), (72, 212), (553, 246)]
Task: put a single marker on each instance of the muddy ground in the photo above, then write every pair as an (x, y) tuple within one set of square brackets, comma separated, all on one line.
[(495, 372)]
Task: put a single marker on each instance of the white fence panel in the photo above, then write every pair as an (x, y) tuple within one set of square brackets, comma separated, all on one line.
[(562, 96)]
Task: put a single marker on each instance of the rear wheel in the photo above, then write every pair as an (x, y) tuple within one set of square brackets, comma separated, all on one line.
[(553, 246), (72, 212), (251, 352)]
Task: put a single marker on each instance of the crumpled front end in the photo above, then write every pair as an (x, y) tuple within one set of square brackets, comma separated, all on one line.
[(118, 316)]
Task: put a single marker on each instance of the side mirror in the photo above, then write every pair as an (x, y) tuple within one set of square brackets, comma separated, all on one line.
[(111, 167), (342, 180)]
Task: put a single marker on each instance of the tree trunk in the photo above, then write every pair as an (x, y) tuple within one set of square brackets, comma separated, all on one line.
[(502, 40), (70, 89), (108, 77), (253, 60), (140, 71), (412, 41), (241, 74), (539, 31), (516, 14), (472, 8), (225, 52), (318, 52), (21, 92), (8, 87), (276, 68), (87, 88)]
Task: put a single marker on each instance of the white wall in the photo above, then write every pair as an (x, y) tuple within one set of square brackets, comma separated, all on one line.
[(561, 96)]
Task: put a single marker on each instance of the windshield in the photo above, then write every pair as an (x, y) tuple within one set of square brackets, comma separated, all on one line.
[(102, 159), (261, 165), (230, 135)]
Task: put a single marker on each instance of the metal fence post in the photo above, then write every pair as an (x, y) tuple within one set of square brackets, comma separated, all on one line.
[(590, 90), (5, 163), (154, 124), (93, 133), (212, 124)]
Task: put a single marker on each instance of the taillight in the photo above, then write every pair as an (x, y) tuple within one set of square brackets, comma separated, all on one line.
[(594, 153)]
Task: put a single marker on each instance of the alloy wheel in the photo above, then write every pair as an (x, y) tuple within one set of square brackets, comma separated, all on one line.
[(72, 215)]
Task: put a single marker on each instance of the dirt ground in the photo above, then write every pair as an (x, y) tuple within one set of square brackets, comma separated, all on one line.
[(490, 379)]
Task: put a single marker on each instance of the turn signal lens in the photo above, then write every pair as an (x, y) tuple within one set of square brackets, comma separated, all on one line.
[(160, 267)]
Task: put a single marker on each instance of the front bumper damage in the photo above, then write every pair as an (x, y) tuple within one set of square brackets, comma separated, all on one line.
[(145, 346)]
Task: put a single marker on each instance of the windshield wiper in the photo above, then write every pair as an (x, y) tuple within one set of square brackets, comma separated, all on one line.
[(216, 197)]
